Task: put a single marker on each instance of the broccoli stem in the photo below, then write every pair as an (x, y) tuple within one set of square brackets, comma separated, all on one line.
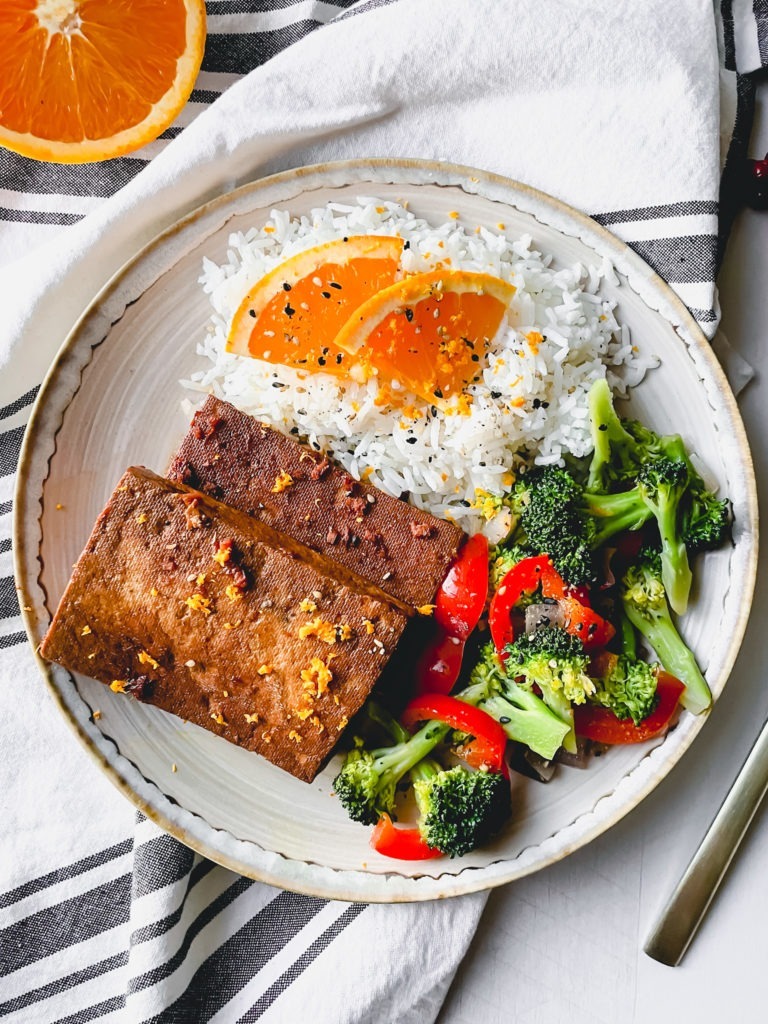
[(524, 717), (614, 513), (656, 625), (628, 636), (675, 570), (396, 761), (607, 430)]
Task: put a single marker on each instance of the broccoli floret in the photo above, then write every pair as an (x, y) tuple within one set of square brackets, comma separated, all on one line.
[(459, 809), (645, 603), (548, 502), (629, 689), (553, 660), (524, 717), (705, 521), (367, 782), (502, 559), (662, 484)]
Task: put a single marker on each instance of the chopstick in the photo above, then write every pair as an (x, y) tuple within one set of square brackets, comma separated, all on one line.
[(690, 900)]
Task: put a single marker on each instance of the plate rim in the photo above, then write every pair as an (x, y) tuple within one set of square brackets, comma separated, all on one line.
[(470, 879)]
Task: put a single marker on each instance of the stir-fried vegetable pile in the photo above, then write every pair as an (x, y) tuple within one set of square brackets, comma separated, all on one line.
[(598, 560)]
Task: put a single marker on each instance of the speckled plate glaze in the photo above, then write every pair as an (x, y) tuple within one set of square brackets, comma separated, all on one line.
[(112, 399)]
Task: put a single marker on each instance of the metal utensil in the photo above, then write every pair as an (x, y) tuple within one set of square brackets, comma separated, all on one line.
[(690, 900)]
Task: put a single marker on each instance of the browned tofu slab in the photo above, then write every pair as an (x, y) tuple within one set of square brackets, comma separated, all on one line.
[(250, 466), (210, 614)]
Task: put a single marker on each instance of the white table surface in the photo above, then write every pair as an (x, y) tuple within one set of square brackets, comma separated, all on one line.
[(564, 946)]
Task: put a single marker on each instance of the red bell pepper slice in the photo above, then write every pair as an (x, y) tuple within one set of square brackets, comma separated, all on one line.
[(464, 591), (592, 629), (439, 666), (402, 843), (523, 578), (601, 725), (490, 743)]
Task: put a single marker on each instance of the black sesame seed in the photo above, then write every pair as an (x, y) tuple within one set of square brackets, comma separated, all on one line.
[(289, 310), (410, 440), (545, 405), (334, 284), (536, 403), (252, 313), (408, 314), (321, 360), (277, 384), (433, 410), (286, 286), (437, 393), (339, 357), (326, 295), (407, 245), (475, 357), (495, 394), (603, 426), (503, 720), (345, 239)]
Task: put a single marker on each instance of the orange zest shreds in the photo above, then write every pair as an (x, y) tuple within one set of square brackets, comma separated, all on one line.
[(507, 480), (142, 518), (325, 631), (223, 553), (453, 214), (86, 80), (292, 314), (307, 605), (265, 669), (200, 579), (233, 625), (233, 592), (153, 592), (174, 768), (199, 603), (317, 677), (266, 737), (59, 507), (501, 226), (295, 736), (487, 504), (429, 332), (464, 404), (85, 631), (426, 609), (282, 482), (303, 713), (218, 717), (251, 719), (96, 715), (118, 685), (343, 723), (369, 626), (146, 659), (534, 339), (317, 723), (518, 403)]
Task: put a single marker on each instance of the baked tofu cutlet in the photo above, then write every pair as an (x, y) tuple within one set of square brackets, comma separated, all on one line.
[(212, 615), (249, 465)]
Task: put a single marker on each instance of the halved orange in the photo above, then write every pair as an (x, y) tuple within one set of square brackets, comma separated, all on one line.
[(429, 331), (292, 314), (84, 80)]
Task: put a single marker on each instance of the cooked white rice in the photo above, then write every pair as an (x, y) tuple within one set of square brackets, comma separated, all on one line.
[(531, 403)]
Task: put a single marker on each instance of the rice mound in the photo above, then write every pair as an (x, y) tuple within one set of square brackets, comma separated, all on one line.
[(531, 404)]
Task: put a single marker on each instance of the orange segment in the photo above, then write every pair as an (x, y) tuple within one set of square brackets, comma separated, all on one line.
[(292, 314), (430, 331), (87, 80)]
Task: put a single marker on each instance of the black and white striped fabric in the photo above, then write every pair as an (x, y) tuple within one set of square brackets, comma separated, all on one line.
[(102, 917)]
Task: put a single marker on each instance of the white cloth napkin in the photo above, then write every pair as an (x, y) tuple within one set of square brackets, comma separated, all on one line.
[(616, 107)]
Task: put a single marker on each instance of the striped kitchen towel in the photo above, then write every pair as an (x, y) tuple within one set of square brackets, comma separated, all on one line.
[(613, 106)]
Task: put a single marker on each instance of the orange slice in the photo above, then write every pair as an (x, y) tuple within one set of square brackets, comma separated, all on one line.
[(293, 313), (85, 80), (430, 331)]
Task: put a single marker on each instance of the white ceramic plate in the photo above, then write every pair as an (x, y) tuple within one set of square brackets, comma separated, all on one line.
[(112, 399)]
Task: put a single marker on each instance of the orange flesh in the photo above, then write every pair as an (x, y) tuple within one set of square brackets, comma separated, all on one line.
[(437, 346), (98, 76), (297, 327)]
